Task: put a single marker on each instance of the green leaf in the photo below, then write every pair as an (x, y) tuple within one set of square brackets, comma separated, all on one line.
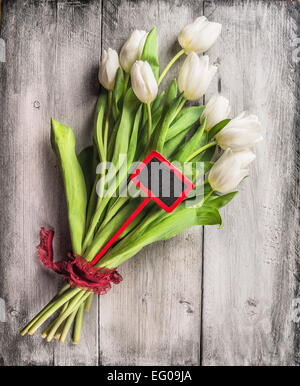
[(208, 216), (161, 131), (191, 145), (172, 145), (171, 93), (86, 160), (130, 106), (134, 138), (156, 103), (208, 154), (117, 93), (186, 118), (219, 201), (150, 52), (199, 191), (155, 107), (161, 229), (144, 130), (218, 127), (105, 233), (112, 139), (98, 125), (63, 143)]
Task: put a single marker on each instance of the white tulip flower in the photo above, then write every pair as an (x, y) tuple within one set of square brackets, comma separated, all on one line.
[(229, 170), (216, 110), (244, 157), (242, 132), (132, 49), (199, 36), (195, 76), (143, 81), (108, 68)]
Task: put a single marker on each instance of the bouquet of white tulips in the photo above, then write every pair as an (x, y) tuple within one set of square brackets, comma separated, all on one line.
[(132, 118)]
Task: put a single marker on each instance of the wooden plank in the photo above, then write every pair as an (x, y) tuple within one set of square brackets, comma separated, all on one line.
[(52, 57), (153, 316), (26, 170), (77, 51), (250, 265)]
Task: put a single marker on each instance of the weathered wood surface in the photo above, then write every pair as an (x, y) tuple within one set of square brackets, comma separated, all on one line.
[(250, 266), (250, 271)]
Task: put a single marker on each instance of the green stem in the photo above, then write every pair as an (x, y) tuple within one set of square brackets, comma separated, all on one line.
[(88, 302), (46, 331), (57, 304), (126, 79), (73, 306), (149, 122), (179, 108), (67, 327), (78, 324), (169, 65), (197, 152), (44, 310), (59, 330)]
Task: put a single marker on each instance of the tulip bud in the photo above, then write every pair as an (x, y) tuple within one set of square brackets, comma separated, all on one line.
[(132, 49), (199, 36), (143, 81), (195, 76), (229, 170), (242, 132), (108, 69), (216, 109)]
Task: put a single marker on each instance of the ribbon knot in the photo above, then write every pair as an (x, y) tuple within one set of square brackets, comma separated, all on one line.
[(78, 271)]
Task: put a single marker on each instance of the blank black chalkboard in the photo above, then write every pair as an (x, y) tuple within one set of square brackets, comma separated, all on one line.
[(161, 181)]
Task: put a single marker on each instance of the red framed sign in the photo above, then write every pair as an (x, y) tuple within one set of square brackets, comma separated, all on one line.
[(162, 181)]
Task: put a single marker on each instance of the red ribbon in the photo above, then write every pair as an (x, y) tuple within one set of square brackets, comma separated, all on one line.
[(78, 271)]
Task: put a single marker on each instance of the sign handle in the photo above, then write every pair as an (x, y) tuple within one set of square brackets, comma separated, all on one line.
[(121, 229)]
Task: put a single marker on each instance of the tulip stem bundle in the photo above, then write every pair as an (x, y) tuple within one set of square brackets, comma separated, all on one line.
[(125, 130)]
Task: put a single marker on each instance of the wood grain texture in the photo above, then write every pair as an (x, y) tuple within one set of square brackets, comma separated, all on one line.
[(250, 266), (77, 51), (52, 57)]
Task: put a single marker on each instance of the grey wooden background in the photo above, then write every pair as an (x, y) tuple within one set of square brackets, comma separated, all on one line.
[(210, 297)]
